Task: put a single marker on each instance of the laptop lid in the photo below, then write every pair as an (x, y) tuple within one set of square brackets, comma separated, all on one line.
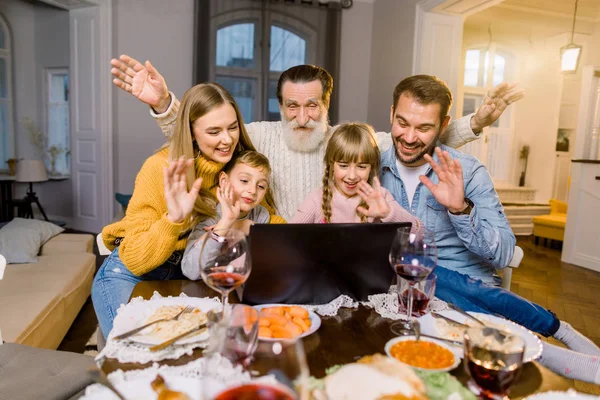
[(316, 263)]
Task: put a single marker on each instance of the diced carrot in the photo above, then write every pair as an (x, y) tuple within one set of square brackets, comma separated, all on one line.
[(297, 311), (272, 310), (300, 322), (307, 321), (264, 332), (295, 329), (262, 321), (275, 319), (281, 333)]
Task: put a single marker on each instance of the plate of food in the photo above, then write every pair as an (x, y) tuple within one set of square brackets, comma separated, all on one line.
[(172, 388), (140, 313), (447, 330), (426, 354), (281, 321)]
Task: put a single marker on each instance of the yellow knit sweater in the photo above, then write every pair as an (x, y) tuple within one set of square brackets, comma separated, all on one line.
[(148, 237)]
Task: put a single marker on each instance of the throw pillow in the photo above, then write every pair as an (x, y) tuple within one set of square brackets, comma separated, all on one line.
[(21, 239)]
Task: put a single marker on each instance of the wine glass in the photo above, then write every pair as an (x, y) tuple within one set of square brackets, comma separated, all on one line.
[(235, 336), (225, 261), (283, 365), (493, 359), (423, 293), (412, 256)]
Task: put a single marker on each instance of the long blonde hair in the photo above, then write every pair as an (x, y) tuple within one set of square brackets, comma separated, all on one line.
[(350, 142), (198, 101)]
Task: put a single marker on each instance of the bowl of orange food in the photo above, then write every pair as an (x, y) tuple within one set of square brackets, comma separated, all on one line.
[(280, 321), (425, 354)]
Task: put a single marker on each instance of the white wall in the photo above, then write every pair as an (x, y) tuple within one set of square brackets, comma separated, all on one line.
[(355, 65), (391, 56), (161, 32), (536, 41)]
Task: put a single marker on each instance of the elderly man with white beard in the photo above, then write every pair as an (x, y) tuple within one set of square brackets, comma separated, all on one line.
[(295, 145)]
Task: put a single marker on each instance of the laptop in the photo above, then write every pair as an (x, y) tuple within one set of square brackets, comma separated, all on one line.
[(316, 263)]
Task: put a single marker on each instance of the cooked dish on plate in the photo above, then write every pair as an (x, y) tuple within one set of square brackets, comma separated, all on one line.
[(283, 322), (168, 329), (422, 354), (452, 331), (375, 377)]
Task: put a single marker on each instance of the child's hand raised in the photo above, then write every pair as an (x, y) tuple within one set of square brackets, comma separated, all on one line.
[(377, 206), (180, 202), (230, 210)]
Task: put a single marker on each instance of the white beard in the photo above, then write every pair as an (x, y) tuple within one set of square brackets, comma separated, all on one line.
[(304, 141)]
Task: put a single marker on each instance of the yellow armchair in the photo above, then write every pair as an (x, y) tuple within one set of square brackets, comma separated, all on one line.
[(551, 226)]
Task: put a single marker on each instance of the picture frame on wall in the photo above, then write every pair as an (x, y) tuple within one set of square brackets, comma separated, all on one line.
[(562, 139)]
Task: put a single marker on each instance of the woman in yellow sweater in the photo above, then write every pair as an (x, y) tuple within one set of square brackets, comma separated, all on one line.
[(174, 190)]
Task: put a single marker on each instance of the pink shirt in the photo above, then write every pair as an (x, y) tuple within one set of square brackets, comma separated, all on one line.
[(343, 210)]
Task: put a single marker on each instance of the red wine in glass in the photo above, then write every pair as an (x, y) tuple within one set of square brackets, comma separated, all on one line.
[(225, 280), (420, 301), (412, 272), (493, 378), (256, 391)]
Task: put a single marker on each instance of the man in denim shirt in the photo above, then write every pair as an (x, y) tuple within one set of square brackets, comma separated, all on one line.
[(454, 197)]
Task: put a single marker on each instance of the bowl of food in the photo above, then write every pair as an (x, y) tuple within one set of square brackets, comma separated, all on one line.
[(280, 321), (425, 354)]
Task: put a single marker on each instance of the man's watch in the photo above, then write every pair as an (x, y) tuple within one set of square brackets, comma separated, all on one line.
[(467, 210)]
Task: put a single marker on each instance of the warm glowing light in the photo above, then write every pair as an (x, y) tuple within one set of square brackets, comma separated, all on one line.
[(569, 58)]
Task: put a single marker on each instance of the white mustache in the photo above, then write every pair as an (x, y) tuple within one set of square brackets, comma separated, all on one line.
[(294, 124)]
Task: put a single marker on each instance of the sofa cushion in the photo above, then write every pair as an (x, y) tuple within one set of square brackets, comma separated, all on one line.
[(30, 373), (35, 298), (21, 239), (68, 243)]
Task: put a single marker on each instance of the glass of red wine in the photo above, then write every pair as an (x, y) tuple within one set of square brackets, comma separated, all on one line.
[(423, 292), (493, 359), (413, 256), (235, 336), (225, 262), (284, 363)]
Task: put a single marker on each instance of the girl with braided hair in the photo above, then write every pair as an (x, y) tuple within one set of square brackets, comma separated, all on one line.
[(351, 191)]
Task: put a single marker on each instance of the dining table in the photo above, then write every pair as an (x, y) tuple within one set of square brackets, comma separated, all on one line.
[(344, 338)]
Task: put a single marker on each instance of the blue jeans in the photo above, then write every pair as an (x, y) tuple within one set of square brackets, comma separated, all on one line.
[(473, 295), (114, 284)]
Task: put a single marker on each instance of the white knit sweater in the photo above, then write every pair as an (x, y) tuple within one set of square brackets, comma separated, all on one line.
[(297, 174)]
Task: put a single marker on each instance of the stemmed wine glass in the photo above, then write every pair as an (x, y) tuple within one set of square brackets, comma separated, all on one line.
[(225, 261), (412, 256), (493, 359)]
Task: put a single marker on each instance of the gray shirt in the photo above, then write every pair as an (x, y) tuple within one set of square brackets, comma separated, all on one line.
[(190, 265)]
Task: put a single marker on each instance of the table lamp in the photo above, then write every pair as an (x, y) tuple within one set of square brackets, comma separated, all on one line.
[(31, 171)]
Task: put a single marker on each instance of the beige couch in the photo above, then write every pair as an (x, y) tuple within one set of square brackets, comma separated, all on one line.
[(39, 301)]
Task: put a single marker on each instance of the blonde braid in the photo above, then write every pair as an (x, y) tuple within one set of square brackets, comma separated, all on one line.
[(327, 194), (363, 218)]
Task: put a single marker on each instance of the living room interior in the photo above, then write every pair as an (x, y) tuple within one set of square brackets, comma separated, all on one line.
[(72, 143)]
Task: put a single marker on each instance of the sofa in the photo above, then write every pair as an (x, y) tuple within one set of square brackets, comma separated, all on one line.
[(39, 301)]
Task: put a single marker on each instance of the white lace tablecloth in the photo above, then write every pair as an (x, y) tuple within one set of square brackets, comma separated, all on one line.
[(130, 352), (215, 371)]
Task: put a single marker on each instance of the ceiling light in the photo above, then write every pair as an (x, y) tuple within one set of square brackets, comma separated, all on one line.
[(571, 53)]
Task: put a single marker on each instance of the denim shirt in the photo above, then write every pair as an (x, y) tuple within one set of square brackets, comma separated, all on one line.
[(474, 244)]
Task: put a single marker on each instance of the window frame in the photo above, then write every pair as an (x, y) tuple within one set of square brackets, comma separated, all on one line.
[(262, 37), (7, 54), (48, 74)]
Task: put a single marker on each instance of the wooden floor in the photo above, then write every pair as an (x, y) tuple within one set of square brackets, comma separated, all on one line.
[(572, 292)]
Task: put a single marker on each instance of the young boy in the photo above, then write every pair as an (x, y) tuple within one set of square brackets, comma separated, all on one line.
[(243, 184)]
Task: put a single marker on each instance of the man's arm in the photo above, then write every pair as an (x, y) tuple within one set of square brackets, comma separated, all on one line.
[(485, 231)]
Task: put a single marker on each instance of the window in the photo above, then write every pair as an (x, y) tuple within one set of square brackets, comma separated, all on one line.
[(57, 121), (6, 105), (243, 68), (495, 148)]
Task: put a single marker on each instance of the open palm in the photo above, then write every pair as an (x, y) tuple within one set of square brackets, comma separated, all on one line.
[(377, 207), (180, 201), (450, 191), (142, 81)]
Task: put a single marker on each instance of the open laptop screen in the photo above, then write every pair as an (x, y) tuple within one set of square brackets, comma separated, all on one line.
[(315, 263)]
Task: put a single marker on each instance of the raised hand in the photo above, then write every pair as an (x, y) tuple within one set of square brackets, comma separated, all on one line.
[(230, 210), (142, 81), (450, 191), (494, 104), (180, 202), (377, 207)]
